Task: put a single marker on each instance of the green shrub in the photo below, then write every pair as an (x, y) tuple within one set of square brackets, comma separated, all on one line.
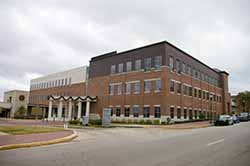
[(202, 116), (130, 121), (20, 113), (148, 121), (136, 121), (96, 122), (141, 121), (156, 122), (74, 122)]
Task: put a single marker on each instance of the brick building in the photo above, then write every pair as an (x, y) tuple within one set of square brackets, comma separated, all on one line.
[(157, 81)]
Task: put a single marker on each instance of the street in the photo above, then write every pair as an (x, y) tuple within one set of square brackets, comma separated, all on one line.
[(215, 146)]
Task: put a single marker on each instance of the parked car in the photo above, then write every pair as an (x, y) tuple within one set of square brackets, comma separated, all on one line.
[(244, 116), (224, 120)]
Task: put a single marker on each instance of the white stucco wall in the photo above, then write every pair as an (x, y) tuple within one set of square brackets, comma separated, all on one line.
[(77, 75)]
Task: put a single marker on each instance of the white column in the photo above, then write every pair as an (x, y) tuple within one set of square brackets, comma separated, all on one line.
[(79, 110), (50, 109), (70, 110), (60, 109), (87, 110)]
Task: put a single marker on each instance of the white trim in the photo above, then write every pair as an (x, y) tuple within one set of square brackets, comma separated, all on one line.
[(146, 105), (115, 83), (118, 106), (131, 82), (157, 105), (152, 79), (126, 106), (171, 106)]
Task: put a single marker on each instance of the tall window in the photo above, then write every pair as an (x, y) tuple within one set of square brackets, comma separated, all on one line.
[(158, 60), (69, 81), (138, 64), (179, 88), (112, 69), (129, 66), (157, 112), (120, 68), (172, 112), (199, 93), (111, 89), (195, 92), (66, 81), (146, 86), (171, 63), (184, 68), (190, 114), (128, 88), (136, 111), (137, 88), (118, 111), (185, 89), (126, 111), (195, 114), (147, 64), (185, 113), (146, 112), (119, 89), (171, 86), (157, 85), (204, 95), (178, 113), (178, 66), (190, 91)]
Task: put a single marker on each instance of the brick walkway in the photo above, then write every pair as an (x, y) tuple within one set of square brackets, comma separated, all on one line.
[(28, 138)]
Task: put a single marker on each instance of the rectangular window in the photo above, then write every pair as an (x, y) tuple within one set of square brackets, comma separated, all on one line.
[(138, 64), (157, 85), (207, 95), (178, 113), (204, 95), (147, 64), (172, 112), (62, 82), (146, 86), (185, 89), (158, 60), (190, 91), (126, 111), (171, 63), (178, 66), (66, 81), (179, 88), (69, 81), (184, 67), (112, 69), (136, 111), (185, 113), (189, 70), (157, 112), (195, 92), (111, 89), (119, 89), (199, 93), (118, 111), (129, 66), (128, 88), (137, 88), (120, 68), (190, 114), (171, 86), (146, 112), (195, 114)]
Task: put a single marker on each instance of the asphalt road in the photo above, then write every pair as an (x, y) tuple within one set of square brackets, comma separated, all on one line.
[(213, 146)]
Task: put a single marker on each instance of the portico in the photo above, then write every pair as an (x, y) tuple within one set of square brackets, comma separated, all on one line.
[(64, 108)]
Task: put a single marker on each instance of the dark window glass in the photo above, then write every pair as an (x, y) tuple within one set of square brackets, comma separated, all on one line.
[(157, 112), (179, 88), (172, 112), (146, 112), (118, 112), (126, 111), (136, 111), (178, 113), (171, 86), (185, 113)]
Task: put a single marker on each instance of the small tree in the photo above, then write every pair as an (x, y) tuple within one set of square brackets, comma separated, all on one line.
[(20, 113)]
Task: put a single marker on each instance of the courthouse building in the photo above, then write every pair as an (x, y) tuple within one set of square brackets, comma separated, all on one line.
[(157, 81)]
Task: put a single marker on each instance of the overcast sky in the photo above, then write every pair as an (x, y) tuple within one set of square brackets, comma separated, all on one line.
[(47, 36)]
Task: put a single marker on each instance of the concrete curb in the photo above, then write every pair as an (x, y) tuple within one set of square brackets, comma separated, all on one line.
[(33, 144)]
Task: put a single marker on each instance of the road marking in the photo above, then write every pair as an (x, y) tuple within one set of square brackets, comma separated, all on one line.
[(215, 142)]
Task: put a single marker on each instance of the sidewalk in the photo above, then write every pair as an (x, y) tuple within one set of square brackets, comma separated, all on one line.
[(190, 125)]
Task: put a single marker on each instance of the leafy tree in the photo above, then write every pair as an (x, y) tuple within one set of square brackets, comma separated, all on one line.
[(20, 113), (243, 101)]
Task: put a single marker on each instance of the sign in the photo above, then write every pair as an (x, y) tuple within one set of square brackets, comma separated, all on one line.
[(106, 117)]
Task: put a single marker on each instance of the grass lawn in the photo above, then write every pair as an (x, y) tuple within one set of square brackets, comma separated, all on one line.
[(17, 130)]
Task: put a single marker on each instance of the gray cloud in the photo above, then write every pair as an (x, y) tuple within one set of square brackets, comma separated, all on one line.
[(47, 36)]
